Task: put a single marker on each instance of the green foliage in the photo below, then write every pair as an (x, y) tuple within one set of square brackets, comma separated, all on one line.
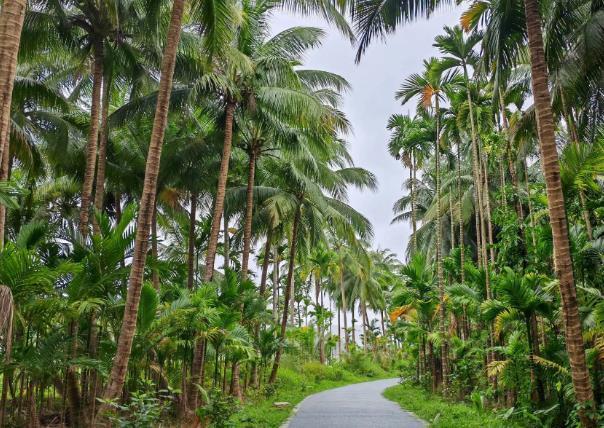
[(218, 409), (143, 410), (440, 413)]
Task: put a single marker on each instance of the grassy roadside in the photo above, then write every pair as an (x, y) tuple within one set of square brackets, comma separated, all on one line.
[(293, 385), (440, 413)]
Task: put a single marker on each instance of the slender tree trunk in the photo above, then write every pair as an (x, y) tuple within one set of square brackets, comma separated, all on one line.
[(93, 136), (462, 250), (6, 327), (227, 240), (487, 199), (557, 214), (413, 202), (276, 284), (288, 292), (235, 382), (191, 243), (478, 196), (439, 265), (99, 192), (12, 16), (154, 252), (509, 156), (344, 306), (266, 262), (249, 209), (220, 191), (530, 204), (147, 204)]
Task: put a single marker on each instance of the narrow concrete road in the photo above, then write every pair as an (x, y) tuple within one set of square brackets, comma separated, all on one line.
[(353, 406)]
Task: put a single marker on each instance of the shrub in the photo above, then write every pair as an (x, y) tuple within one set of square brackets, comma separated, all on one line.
[(218, 409), (319, 372), (362, 364)]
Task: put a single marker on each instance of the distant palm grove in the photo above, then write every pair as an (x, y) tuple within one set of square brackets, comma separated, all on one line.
[(176, 241)]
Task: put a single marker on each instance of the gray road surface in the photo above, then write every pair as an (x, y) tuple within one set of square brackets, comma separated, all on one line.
[(353, 406)]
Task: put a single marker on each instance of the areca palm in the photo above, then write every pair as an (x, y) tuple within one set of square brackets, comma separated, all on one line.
[(429, 87), (409, 142)]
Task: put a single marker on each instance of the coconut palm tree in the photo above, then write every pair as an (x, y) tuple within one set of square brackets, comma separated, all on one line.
[(12, 16), (147, 204)]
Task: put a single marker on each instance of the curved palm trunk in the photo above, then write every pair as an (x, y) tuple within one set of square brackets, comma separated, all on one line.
[(249, 209), (93, 137), (557, 214), (99, 190), (288, 292), (12, 16), (439, 265), (220, 191), (124, 346), (191, 243)]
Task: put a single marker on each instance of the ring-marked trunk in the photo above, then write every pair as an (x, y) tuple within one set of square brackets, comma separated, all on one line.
[(220, 192), (147, 204), (557, 214)]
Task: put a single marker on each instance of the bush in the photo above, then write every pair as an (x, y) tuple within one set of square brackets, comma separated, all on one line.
[(362, 364), (218, 409), (320, 372)]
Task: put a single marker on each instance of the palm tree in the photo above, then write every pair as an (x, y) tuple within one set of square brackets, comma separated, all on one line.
[(520, 295), (429, 87), (557, 212), (12, 16), (147, 204), (460, 53), (408, 142)]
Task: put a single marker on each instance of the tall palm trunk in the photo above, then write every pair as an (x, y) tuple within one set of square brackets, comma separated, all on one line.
[(249, 209), (276, 284), (266, 262), (344, 307), (557, 214), (12, 16), (220, 191), (511, 164), (147, 204), (99, 190), (413, 202), (478, 195), (288, 292), (487, 200), (462, 250), (196, 369), (439, 266), (191, 243), (93, 136), (154, 251)]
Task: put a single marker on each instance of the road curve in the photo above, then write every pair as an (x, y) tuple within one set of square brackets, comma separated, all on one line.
[(354, 406)]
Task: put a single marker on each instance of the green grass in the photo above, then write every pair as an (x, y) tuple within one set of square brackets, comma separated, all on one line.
[(440, 413), (293, 385)]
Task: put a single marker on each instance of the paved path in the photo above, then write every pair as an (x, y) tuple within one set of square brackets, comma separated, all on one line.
[(353, 406)]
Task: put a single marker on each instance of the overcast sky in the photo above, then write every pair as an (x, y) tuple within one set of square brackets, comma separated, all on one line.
[(371, 102)]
